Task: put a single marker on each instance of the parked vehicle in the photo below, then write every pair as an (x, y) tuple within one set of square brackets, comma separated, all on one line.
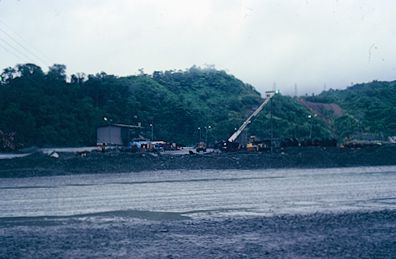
[(201, 146)]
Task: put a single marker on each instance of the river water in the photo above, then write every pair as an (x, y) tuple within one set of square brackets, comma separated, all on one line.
[(202, 194)]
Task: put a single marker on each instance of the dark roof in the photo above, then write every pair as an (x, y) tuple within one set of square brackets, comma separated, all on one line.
[(122, 126)]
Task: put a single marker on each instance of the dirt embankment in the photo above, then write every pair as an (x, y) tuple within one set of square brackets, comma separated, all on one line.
[(116, 162), (322, 108)]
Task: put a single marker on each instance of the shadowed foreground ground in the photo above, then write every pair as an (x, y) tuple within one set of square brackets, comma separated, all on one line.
[(132, 235), (119, 162)]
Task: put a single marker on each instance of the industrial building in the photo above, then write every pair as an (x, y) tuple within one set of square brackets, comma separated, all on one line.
[(117, 134)]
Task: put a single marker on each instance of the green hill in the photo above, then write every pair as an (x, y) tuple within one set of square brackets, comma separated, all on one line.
[(290, 119), (45, 109), (369, 109), (49, 109)]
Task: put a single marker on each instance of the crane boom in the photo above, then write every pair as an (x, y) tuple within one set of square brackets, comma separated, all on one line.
[(269, 95)]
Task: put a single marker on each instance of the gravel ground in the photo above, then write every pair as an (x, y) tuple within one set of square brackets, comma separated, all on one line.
[(119, 162), (348, 235)]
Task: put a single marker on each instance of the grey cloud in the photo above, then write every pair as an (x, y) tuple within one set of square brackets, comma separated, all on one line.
[(308, 43)]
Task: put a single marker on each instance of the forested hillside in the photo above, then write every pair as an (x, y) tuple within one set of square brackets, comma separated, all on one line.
[(48, 109), (369, 109), (45, 109)]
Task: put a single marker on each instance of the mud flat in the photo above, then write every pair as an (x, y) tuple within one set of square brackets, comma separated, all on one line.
[(345, 212), (116, 162), (347, 235)]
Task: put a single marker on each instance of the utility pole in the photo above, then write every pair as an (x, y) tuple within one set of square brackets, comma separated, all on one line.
[(310, 117), (108, 121), (152, 131), (272, 129), (310, 129), (206, 133)]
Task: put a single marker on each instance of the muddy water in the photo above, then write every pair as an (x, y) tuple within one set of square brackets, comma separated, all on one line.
[(200, 194)]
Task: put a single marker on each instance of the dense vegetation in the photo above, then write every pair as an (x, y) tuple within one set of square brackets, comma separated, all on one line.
[(47, 109), (289, 120), (370, 110)]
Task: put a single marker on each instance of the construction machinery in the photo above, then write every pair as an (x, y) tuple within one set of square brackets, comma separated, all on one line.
[(231, 144)]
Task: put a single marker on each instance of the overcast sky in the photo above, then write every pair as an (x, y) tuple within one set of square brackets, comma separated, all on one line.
[(315, 44)]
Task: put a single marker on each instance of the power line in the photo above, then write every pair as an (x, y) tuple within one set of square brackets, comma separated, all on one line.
[(14, 52), (25, 41), (6, 50), (22, 43), (20, 53), (27, 51)]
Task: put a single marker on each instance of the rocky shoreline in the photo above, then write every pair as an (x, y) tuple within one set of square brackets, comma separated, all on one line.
[(39, 164)]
